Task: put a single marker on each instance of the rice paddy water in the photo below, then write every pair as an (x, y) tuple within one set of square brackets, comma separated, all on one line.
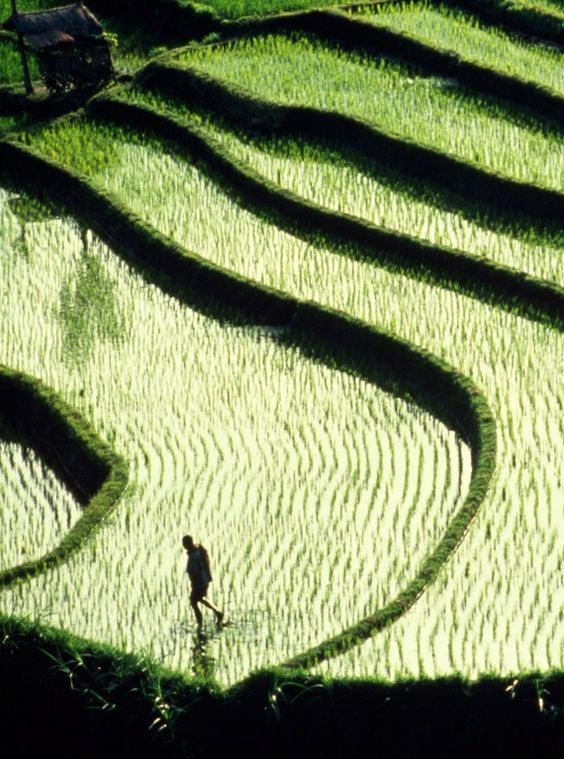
[(36, 507), (317, 493)]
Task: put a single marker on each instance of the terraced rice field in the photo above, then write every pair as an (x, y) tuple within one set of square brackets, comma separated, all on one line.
[(445, 28), (230, 433), (427, 109), (323, 175), (318, 494), (515, 362)]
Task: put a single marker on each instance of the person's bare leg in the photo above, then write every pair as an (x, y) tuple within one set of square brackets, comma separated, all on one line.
[(197, 612), (216, 611)]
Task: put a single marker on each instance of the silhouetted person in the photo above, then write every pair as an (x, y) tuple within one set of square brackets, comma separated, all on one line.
[(198, 569)]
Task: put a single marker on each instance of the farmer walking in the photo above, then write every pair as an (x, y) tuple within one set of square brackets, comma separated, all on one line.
[(198, 569)]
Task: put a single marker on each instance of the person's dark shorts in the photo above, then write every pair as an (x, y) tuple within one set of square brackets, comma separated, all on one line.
[(197, 593)]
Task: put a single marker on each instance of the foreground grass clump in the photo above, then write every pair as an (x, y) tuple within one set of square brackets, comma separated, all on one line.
[(119, 700), (443, 27), (231, 432), (468, 624), (331, 178), (427, 109)]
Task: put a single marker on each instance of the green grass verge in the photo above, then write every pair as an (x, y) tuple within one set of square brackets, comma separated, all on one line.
[(375, 355), (65, 695), (90, 467)]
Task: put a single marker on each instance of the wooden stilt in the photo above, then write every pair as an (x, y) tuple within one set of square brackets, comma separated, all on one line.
[(23, 55)]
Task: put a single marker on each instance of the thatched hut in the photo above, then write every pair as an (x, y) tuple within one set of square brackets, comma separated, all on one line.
[(69, 44)]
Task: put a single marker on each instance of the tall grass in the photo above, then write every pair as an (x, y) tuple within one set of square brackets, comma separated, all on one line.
[(446, 28), (495, 607), (10, 63), (427, 109)]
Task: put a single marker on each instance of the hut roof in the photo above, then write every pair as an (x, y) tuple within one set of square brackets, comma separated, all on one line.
[(43, 29)]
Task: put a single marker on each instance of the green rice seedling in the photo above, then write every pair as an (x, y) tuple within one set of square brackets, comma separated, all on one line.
[(292, 473), (427, 109), (554, 7), (480, 601), (323, 175), (446, 28), (233, 9), (36, 507)]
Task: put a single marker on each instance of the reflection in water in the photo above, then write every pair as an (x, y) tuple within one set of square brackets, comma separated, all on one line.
[(250, 626), (203, 663), (88, 309), (29, 210), (19, 245)]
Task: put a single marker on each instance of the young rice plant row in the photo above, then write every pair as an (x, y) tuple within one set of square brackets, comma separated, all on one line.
[(30, 529), (443, 27), (427, 109), (553, 7), (323, 175), (496, 601)]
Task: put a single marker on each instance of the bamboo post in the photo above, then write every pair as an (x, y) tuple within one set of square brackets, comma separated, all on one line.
[(23, 55)]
